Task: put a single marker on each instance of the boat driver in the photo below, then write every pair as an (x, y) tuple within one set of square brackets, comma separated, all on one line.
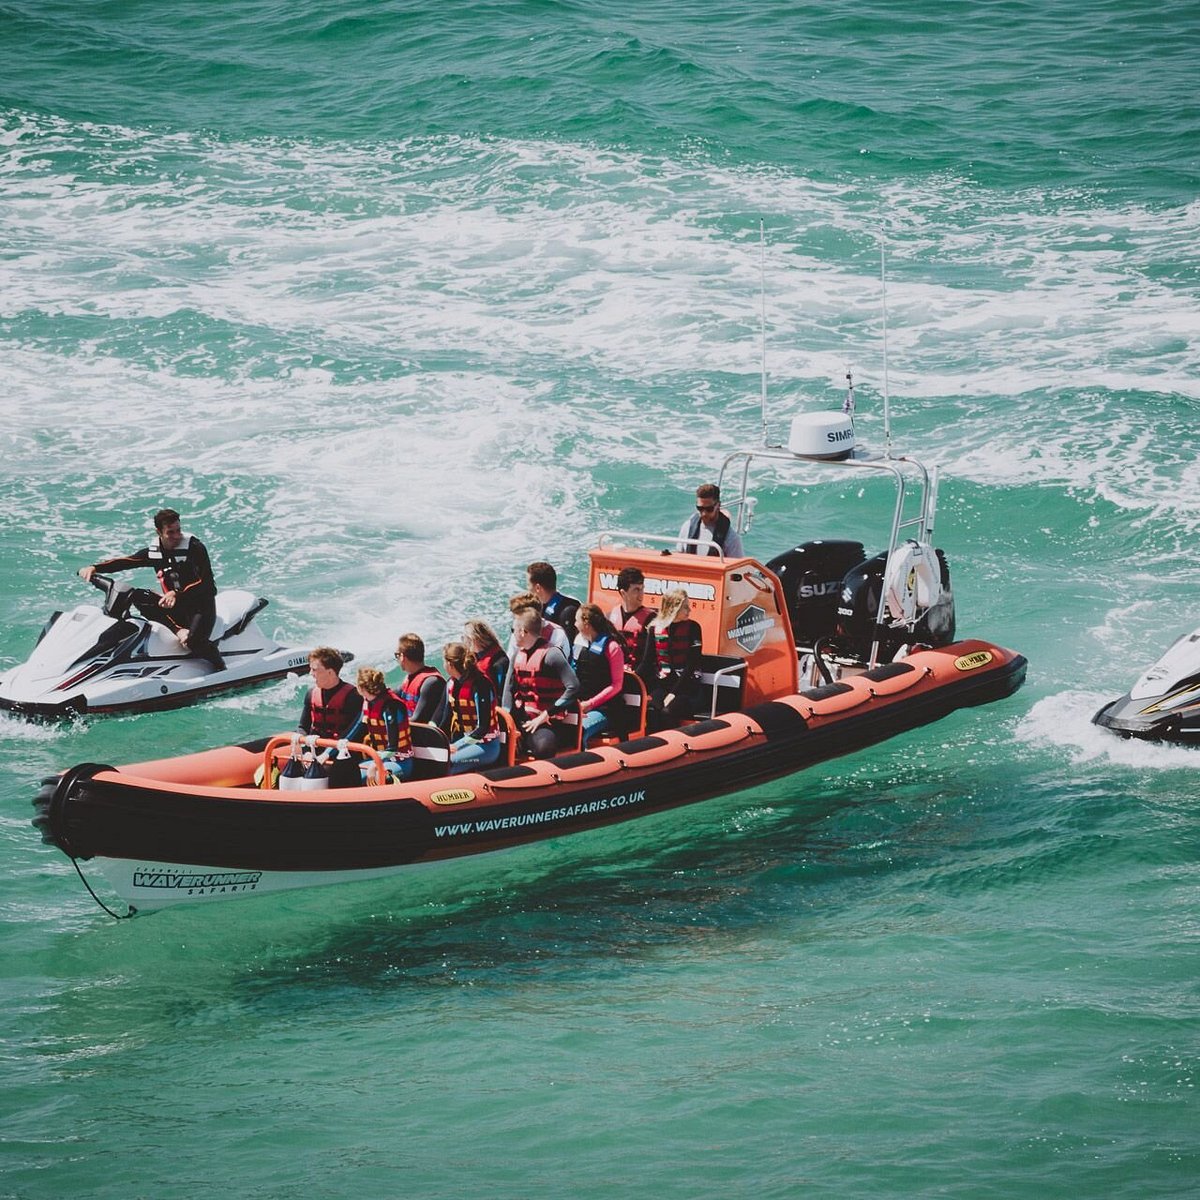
[(188, 604), (709, 523)]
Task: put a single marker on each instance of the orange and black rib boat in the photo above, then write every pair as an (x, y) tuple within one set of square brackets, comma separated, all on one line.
[(818, 653)]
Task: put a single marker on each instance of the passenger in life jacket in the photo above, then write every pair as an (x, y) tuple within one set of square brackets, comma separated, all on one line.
[(543, 583), (600, 666), (188, 604), (631, 616), (480, 638), (710, 523), (383, 725), (556, 635), (424, 688), (671, 665), (541, 686), (474, 729), (331, 706)]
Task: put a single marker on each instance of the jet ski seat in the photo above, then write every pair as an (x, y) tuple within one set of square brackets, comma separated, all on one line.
[(236, 608)]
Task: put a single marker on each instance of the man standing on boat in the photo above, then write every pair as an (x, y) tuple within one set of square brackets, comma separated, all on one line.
[(188, 605), (556, 608), (710, 523)]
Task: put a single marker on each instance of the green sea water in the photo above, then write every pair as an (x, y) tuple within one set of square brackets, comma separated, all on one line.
[(390, 299)]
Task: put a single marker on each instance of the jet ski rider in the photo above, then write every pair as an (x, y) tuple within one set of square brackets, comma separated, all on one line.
[(188, 605)]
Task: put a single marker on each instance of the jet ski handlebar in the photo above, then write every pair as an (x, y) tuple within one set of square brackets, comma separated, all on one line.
[(119, 595)]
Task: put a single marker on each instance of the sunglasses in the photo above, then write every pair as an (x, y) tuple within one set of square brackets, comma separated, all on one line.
[(706, 507)]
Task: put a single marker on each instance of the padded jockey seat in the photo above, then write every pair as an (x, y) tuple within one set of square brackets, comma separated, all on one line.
[(723, 680), (431, 751), (636, 701), (510, 735)]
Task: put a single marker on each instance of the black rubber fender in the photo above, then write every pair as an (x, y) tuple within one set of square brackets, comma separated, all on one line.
[(52, 799)]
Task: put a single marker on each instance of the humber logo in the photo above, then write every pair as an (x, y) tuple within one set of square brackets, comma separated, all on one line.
[(457, 796), (968, 662)]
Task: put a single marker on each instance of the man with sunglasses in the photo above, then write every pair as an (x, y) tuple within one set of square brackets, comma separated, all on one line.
[(710, 523)]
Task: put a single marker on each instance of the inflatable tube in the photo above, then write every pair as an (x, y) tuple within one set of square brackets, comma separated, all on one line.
[(195, 827)]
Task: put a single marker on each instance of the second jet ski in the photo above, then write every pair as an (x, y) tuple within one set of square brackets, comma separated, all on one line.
[(1164, 704)]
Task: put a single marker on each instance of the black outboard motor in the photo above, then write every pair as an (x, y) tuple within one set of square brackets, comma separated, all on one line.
[(812, 576), (858, 608)]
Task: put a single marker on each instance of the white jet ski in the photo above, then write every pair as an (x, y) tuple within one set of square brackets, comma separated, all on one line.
[(109, 660), (1164, 704)]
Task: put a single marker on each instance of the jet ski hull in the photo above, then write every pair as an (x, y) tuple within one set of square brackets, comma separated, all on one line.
[(1130, 718), (89, 662), (161, 697)]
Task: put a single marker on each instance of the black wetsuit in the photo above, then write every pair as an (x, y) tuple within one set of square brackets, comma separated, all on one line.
[(188, 573), (562, 611)]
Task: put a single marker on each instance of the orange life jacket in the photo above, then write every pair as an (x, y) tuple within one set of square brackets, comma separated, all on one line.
[(376, 728), (464, 711)]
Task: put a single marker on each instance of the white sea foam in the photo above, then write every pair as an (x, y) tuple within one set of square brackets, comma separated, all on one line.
[(1064, 722), (602, 256), (425, 354)]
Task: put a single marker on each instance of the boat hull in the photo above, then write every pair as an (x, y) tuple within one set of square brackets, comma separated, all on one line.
[(193, 829)]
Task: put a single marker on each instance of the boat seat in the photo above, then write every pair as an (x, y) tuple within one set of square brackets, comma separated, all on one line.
[(723, 678), (634, 697), (431, 751), (510, 735), (573, 716)]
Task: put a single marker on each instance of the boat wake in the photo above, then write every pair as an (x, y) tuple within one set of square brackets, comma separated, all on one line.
[(1064, 720)]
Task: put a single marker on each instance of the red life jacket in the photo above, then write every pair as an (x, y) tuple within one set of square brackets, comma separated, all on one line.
[(464, 713), (333, 717), (533, 690), (410, 690), (672, 647), (632, 628), (375, 728), (484, 663)]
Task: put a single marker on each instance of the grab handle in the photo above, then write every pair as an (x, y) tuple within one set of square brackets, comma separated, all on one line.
[(285, 739)]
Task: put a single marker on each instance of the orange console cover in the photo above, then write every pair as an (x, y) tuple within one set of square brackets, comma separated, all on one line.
[(738, 604)]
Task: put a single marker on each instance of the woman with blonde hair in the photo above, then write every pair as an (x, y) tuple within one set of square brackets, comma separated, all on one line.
[(481, 639), (474, 730), (671, 662)]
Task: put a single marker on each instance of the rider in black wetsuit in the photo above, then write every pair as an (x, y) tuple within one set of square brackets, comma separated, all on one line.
[(188, 605)]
